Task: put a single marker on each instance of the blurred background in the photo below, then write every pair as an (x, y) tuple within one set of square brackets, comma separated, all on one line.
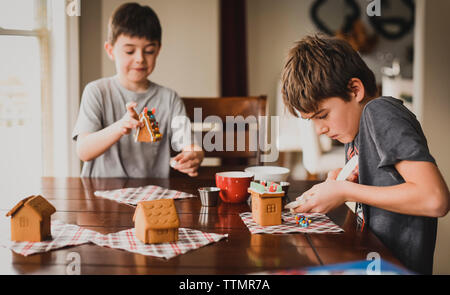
[(50, 49)]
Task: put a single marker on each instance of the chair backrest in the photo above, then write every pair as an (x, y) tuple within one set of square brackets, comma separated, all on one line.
[(234, 151)]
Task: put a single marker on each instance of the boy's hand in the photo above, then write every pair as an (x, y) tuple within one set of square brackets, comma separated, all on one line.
[(323, 197), (189, 160), (130, 120)]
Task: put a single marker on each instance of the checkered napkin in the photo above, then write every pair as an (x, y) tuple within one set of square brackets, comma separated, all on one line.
[(320, 223), (188, 239), (63, 235), (134, 195)]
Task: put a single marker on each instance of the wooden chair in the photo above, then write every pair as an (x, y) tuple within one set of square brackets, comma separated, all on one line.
[(250, 108)]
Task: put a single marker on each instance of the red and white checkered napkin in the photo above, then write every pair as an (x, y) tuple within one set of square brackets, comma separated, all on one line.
[(63, 235), (188, 239), (320, 223), (134, 195)]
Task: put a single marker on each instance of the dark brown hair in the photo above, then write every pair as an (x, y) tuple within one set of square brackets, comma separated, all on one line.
[(134, 20), (319, 67)]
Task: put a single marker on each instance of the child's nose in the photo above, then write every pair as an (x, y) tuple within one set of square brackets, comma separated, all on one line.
[(139, 56), (321, 129)]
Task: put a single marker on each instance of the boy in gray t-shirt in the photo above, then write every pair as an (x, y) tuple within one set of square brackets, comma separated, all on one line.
[(399, 188), (110, 106)]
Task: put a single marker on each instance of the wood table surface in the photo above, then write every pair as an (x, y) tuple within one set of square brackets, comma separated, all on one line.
[(240, 253)]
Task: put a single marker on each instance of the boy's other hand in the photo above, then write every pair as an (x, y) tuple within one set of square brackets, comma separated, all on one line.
[(130, 120), (189, 160)]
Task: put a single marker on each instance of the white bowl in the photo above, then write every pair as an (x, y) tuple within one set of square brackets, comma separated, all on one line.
[(269, 173)]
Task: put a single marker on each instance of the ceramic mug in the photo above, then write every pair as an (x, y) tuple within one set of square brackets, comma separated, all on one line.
[(233, 185)]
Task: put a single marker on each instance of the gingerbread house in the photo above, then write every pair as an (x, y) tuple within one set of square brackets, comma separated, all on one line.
[(156, 221), (30, 219), (150, 131), (266, 203)]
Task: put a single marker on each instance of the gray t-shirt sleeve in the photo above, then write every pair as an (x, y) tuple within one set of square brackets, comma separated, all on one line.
[(90, 114), (395, 132)]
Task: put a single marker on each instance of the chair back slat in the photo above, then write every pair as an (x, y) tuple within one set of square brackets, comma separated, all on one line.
[(250, 108)]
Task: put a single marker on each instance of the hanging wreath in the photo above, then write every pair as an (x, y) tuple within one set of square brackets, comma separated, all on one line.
[(403, 26), (349, 19), (382, 25), (353, 30)]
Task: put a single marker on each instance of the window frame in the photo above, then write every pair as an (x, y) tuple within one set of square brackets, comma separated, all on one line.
[(41, 32), (58, 37)]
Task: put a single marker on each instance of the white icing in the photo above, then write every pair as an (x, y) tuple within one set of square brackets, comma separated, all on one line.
[(146, 122)]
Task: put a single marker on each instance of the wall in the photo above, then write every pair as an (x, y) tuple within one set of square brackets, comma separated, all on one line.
[(189, 58), (91, 42), (432, 72), (274, 26)]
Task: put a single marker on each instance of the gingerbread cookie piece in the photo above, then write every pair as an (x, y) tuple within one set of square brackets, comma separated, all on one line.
[(150, 131)]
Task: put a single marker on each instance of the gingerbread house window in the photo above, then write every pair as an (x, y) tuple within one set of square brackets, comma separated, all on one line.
[(162, 231), (271, 208)]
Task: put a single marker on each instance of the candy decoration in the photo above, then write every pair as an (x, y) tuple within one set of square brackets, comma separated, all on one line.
[(150, 132), (302, 220)]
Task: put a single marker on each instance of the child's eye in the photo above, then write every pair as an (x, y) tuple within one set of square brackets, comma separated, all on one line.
[(149, 52), (129, 52), (323, 117)]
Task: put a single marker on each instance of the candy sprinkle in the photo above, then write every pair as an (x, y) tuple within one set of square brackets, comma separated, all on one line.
[(302, 220)]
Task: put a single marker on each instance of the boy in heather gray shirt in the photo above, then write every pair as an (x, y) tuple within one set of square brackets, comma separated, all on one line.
[(110, 106), (399, 189)]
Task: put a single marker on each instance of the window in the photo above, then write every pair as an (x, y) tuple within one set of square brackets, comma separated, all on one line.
[(23, 78), (271, 208), (162, 231)]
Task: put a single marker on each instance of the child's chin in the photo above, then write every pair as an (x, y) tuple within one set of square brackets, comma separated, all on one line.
[(345, 140), (138, 78)]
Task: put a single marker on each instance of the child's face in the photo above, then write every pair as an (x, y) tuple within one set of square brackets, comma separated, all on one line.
[(337, 118), (135, 58)]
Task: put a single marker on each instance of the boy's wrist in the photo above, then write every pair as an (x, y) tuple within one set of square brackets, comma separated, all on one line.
[(346, 191), (117, 129)]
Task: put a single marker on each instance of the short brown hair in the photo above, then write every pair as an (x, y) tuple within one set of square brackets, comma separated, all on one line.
[(320, 67), (134, 20)]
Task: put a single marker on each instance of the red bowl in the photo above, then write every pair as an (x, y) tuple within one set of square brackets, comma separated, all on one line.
[(233, 185)]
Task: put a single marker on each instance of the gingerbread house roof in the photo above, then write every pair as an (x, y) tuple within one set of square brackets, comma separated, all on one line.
[(148, 118), (158, 214), (38, 204), (263, 192)]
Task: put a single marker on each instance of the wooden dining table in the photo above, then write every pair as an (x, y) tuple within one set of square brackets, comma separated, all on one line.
[(240, 253)]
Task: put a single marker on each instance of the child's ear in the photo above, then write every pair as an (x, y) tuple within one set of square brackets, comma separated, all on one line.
[(109, 50), (356, 88)]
